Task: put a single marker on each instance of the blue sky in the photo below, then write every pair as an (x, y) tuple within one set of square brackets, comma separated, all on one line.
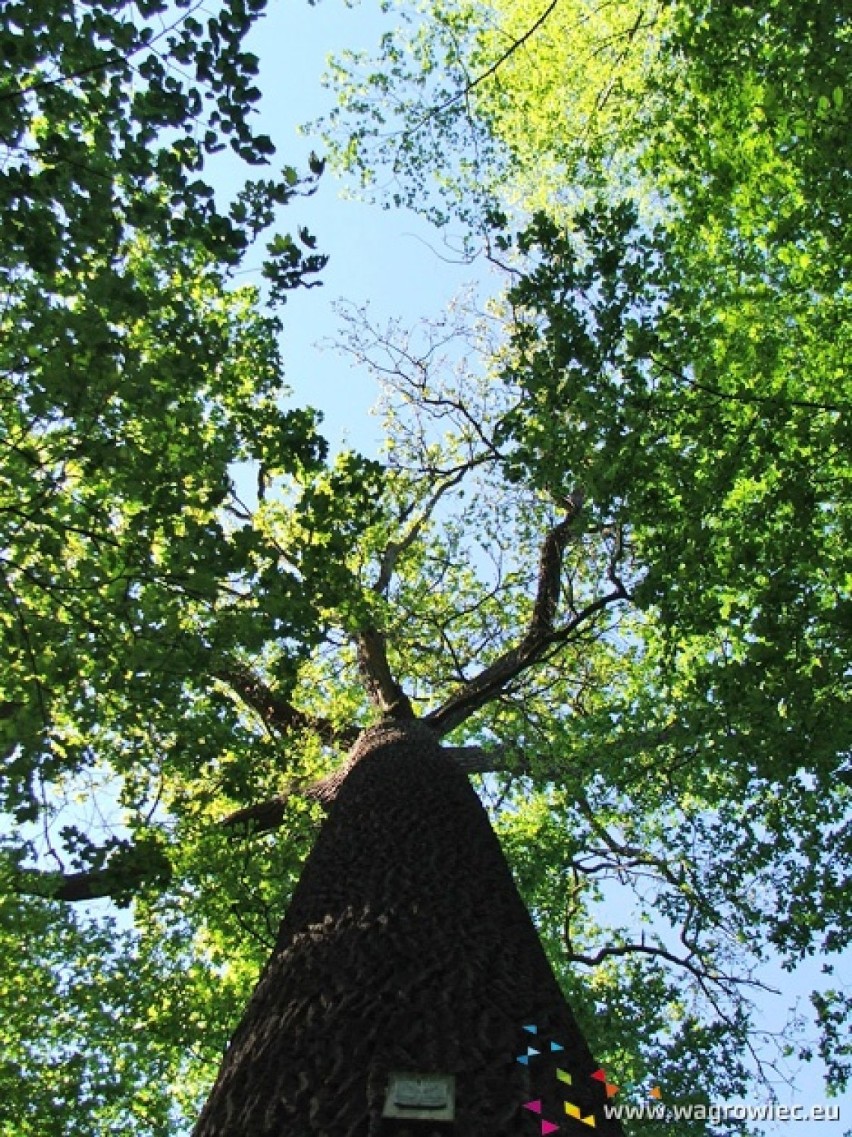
[(387, 258)]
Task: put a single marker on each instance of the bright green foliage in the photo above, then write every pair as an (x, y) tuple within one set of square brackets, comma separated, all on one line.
[(135, 375), (724, 466), (666, 188), (522, 103), (134, 378)]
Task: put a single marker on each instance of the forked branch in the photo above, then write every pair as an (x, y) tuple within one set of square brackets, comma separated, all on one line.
[(542, 633), (395, 549)]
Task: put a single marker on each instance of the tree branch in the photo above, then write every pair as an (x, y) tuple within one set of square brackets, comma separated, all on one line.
[(695, 961), (623, 851), (396, 548), (267, 815), (751, 399), (73, 888), (701, 971), (550, 574), (129, 868), (484, 760), (280, 714), (133, 866), (264, 816), (383, 690), (488, 72), (541, 634)]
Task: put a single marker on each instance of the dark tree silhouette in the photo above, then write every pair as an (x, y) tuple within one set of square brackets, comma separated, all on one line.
[(406, 948)]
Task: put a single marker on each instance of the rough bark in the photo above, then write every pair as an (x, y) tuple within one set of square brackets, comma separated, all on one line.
[(406, 948)]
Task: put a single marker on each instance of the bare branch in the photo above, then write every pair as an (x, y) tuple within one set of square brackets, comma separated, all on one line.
[(637, 856), (395, 548), (711, 981), (701, 971), (694, 961)]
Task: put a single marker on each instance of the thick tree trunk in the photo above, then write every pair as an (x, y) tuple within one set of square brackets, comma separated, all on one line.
[(406, 948)]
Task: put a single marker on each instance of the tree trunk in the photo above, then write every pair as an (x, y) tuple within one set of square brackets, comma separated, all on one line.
[(406, 948)]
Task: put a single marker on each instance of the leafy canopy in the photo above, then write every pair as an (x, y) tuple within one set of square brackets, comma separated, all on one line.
[(605, 553), (136, 376)]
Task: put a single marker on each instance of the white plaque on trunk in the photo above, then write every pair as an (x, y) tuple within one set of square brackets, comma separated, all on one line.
[(426, 1097)]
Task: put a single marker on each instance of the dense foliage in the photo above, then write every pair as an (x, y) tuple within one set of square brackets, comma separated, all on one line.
[(607, 547), (135, 374)]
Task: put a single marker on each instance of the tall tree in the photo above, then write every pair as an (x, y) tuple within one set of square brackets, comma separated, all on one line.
[(141, 592), (568, 566)]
